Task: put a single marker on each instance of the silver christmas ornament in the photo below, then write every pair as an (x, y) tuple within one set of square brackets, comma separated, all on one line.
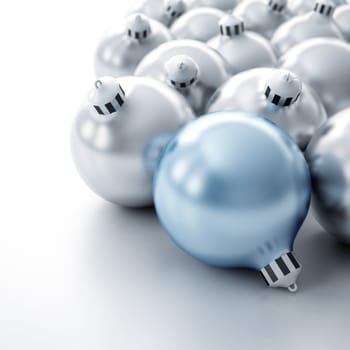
[(163, 11), (242, 50), (317, 23), (299, 7), (172, 62), (224, 5), (342, 20), (198, 24), (324, 64), (276, 94), (111, 132), (120, 50), (329, 160), (261, 16)]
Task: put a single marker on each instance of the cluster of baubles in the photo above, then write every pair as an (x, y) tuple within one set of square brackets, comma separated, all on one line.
[(226, 115)]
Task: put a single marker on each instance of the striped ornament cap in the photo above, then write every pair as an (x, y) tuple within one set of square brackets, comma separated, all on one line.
[(277, 5), (231, 25), (282, 272), (283, 88), (181, 71), (107, 97), (325, 8), (138, 27), (174, 8)]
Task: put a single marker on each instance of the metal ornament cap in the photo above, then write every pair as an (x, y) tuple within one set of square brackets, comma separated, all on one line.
[(283, 88), (107, 98), (109, 150), (324, 7), (230, 25), (182, 71), (174, 8), (122, 47), (198, 24), (163, 11), (342, 20), (282, 272), (277, 5), (259, 17), (138, 27)]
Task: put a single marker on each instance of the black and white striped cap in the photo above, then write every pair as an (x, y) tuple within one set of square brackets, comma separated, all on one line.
[(324, 7), (181, 71), (282, 272), (283, 88), (277, 5), (231, 25), (107, 97), (138, 27), (174, 8)]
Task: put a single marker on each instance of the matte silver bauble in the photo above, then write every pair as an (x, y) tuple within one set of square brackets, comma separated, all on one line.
[(263, 17), (317, 23), (299, 7), (329, 160), (276, 94), (325, 65), (242, 50), (121, 49), (342, 20), (190, 56), (198, 24), (163, 11), (112, 130)]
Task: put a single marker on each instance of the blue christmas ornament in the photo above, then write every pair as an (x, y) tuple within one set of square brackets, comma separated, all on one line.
[(232, 189)]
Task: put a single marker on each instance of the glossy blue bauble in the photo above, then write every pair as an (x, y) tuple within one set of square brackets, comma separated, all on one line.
[(232, 189)]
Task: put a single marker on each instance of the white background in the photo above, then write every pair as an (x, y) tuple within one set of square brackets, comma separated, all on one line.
[(77, 273)]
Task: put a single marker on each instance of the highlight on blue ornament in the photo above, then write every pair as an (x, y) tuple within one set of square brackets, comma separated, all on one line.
[(232, 190)]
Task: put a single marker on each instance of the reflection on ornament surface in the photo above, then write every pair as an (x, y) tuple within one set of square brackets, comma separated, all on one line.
[(329, 161), (232, 190), (112, 129), (324, 64), (121, 49), (297, 109)]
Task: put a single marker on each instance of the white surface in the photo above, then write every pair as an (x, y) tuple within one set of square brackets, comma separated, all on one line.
[(77, 273)]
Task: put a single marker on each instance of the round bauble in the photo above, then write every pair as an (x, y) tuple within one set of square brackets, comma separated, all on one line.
[(232, 189), (324, 64), (329, 161), (317, 23), (197, 70), (242, 50), (163, 11), (112, 130), (276, 94), (261, 16), (342, 20), (198, 24), (121, 49)]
